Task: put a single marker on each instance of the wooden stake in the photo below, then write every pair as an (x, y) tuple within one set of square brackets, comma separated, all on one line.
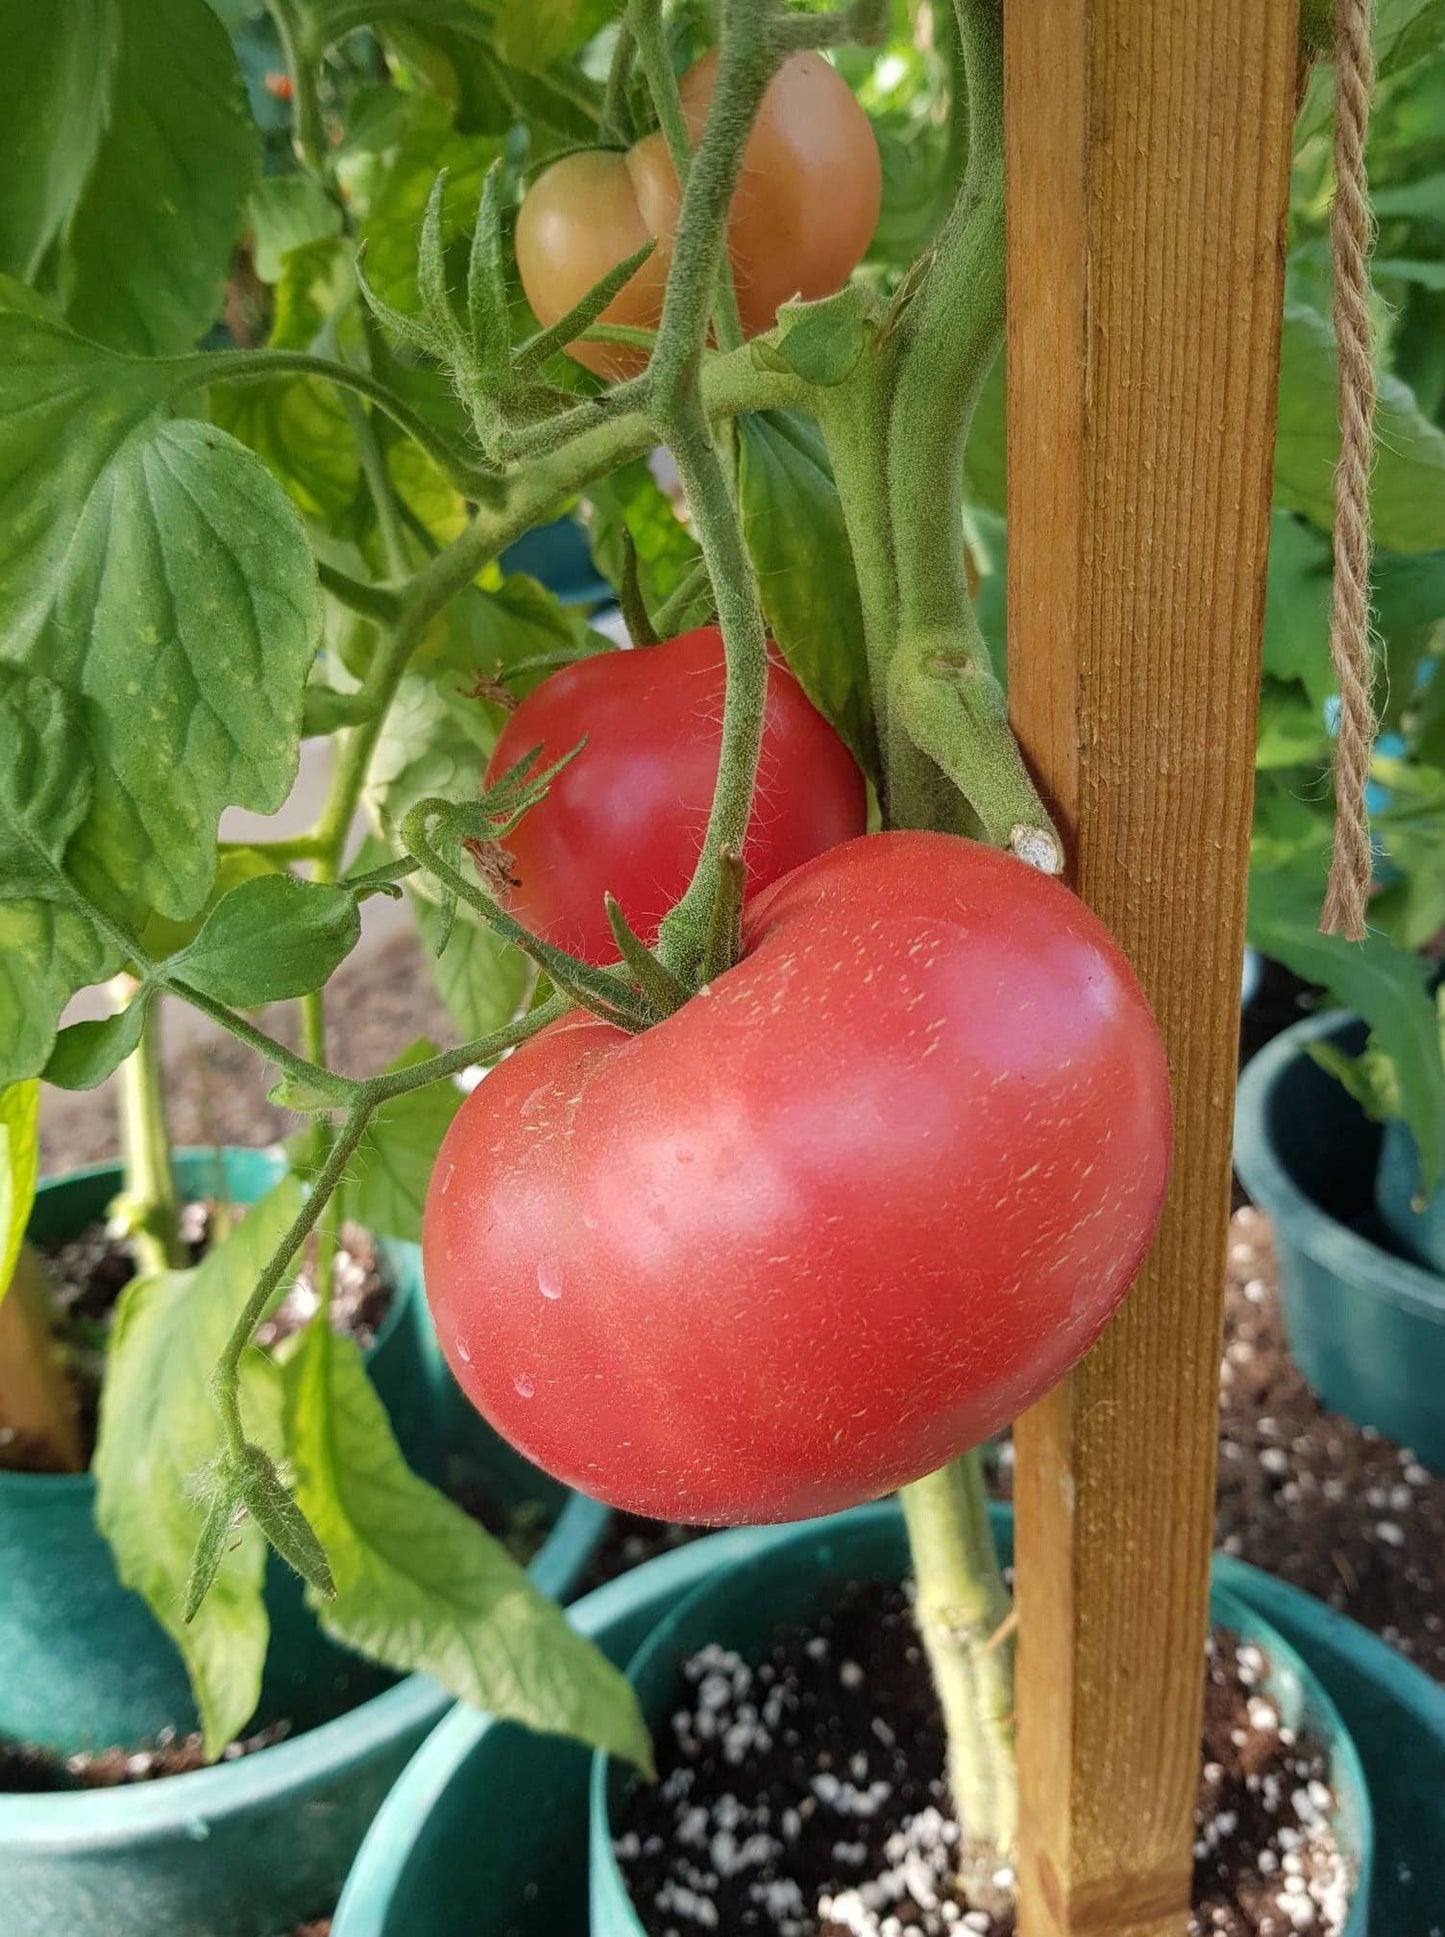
[(1148, 158), (37, 1404)]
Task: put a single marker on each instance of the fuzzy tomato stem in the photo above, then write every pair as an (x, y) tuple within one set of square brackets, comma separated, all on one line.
[(963, 1613), (151, 1202)]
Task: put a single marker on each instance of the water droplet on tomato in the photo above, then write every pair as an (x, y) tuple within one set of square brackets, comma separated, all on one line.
[(525, 1387), (546, 1283), (462, 1353)]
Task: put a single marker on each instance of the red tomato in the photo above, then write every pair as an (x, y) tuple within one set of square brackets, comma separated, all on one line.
[(628, 815), (846, 1213)]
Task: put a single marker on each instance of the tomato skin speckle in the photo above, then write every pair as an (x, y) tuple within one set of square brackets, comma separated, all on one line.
[(913, 1201)]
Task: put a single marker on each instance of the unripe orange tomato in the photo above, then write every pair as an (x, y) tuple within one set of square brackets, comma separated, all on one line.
[(804, 211)]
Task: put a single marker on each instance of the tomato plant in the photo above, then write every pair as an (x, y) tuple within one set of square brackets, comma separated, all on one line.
[(271, 425), (894, 1169), (804, 210), (626, 815)]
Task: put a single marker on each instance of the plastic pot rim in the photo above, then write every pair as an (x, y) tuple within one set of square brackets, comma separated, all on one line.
[(128, 1813), (384, 1854), (1302, 1222)]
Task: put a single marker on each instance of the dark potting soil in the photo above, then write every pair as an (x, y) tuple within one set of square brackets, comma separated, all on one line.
[(805, 1798), (1306, 1494), (629, 1541), (32, 1772), (87, 1274)]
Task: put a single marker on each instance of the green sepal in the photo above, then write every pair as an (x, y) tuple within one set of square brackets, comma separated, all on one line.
[(661, 987), (221, 1518), (582, 315), (265, 1497)]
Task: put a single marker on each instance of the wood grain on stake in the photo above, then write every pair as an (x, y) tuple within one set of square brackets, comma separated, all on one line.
[(1148, 157)]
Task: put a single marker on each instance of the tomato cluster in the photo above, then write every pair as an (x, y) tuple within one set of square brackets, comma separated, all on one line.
[(867, 1194), (804, 211), (847, 1212)]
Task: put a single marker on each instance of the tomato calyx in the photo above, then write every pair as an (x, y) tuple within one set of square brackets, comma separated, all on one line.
[(500, 387), (436, 833)]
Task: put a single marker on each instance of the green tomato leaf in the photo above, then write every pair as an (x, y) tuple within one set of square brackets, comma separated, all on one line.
[(666, 550), (1297, 607), (19, 1168), (134, 151), (298, 426), (45, 784), (47, 952), (287, 212), (395, 189), (1388, 986), (799, 548), (481, 979), (420, 1586), (535, 36), (386, 1180), (151, 569), (821, 341), (1291, 732), (87, 1052), (49, 84), (1407, 489), (159, 1431), (47, 949), (433, 741), (271, 939)]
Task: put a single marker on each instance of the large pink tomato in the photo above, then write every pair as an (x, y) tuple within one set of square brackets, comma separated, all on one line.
[(628, 815), (847, 1212)]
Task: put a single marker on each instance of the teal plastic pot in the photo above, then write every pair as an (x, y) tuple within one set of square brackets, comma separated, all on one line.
[(486, 1833), (1396, 1715), (1366, 1325), (743, 1606), (1413, 1216), (247, 1848), (62, 1593), (558, 554)]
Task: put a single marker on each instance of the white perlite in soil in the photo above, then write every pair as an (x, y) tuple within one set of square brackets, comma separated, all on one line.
[(737, 1847)]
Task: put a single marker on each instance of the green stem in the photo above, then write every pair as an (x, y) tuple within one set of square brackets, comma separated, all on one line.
[(470, 475), (647, 26), (962, 1608), (746, 63), (226, 1381), (947, 735), (613, 126), (303, 59), (152, 1204), (854, 421)]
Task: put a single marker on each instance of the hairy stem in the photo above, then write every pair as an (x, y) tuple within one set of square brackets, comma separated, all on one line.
[(652, 47), (302, 58), (963, 1608), (948, 739), (613, 125), (152, 1204), (746, 64), (227, 1378)]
